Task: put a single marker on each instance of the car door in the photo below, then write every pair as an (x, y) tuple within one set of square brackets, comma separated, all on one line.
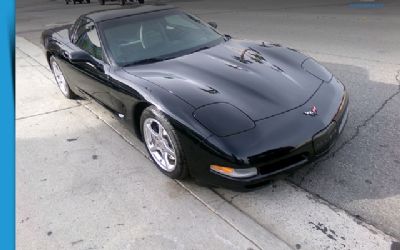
[(92, 77)]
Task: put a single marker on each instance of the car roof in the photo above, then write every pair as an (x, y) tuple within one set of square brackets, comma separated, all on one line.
[(103, 15)]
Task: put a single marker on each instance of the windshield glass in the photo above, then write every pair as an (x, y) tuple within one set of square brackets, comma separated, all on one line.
[(156, 36)]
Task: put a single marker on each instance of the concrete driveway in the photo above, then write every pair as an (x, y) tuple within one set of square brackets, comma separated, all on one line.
[(83, 181)]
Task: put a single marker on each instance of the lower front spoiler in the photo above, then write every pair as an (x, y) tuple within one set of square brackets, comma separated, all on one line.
[(249, 184)]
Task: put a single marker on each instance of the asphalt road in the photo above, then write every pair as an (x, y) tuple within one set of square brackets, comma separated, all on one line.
[(360, 46)]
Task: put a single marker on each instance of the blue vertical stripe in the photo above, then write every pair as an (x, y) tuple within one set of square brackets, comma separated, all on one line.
[(7, 125)]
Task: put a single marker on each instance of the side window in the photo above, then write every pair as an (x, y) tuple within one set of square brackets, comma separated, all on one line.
[(73, 28), (79, 29), (87, 39)]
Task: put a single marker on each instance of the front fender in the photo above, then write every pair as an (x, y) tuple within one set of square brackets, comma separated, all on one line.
[(178, 111)]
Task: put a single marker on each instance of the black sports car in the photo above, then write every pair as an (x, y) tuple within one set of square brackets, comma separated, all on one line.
[(227, 112)]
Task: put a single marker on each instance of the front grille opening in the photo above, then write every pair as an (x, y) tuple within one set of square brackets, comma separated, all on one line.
[(283, 164)]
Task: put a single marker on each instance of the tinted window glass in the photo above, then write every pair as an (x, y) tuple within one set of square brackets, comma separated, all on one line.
[(80, 29), (162, 34), (73, 28), (88, 40)]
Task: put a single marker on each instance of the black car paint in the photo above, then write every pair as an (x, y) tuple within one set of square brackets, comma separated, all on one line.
[(259, 89), (266, 84)]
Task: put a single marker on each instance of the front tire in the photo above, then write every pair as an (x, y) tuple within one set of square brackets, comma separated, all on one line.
[(60, 79), (162, 143)]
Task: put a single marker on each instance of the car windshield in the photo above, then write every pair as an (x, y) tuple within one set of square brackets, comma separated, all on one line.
[(156, 36)]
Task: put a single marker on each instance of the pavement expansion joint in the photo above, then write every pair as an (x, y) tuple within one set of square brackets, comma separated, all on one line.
[(49, 112), (219, 215)]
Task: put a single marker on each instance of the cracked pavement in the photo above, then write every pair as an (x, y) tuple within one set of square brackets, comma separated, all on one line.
[(353, 190), (356, 133)]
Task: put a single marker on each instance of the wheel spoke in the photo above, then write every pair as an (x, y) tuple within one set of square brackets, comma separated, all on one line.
[(166, 141), (167, 149), (152, 148)]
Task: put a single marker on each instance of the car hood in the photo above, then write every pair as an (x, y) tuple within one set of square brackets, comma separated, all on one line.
[(264, 81)]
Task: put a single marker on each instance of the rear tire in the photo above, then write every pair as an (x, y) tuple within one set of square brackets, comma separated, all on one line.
[(87, 1), (122, 2), (141, 1), (163, 139), (60, 79), (101, 2)]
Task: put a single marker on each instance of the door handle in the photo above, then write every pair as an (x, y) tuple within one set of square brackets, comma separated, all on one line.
[(65, 54)]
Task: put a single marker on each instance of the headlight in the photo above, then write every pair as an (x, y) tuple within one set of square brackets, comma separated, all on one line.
[(223, 119)]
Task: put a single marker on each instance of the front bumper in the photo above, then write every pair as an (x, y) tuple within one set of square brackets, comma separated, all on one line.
[(285, 147)]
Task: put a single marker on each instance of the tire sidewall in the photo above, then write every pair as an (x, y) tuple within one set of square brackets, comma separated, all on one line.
[(180, 171)]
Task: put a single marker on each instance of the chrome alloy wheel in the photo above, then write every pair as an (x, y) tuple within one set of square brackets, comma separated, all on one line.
[(60, 79), (159, 144)]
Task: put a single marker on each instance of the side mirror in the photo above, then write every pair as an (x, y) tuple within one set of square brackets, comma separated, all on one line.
[(213, 24), (79, 57), (84, 57), (228, 37)]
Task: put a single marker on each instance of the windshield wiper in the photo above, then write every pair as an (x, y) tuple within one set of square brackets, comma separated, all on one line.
[(159, 59), (146, 61), (200, 49)]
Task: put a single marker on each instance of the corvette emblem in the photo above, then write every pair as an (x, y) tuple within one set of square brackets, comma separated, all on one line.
[(312, 112)]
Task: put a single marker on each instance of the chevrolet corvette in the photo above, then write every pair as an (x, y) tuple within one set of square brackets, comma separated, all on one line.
[(227, 112)]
